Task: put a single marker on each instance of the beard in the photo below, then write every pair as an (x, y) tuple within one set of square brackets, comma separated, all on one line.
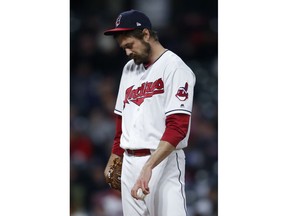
[(142, 57)]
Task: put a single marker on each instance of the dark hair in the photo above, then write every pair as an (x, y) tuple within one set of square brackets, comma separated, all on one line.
[(138, 33)]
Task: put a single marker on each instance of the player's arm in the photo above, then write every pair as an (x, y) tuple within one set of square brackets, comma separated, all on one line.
[(176, 129), (163, 150), (117, 151)]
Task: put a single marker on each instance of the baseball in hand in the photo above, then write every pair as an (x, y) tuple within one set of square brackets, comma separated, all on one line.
[(140, 194)]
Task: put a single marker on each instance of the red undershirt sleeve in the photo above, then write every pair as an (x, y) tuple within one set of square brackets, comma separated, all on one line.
[(116, 149), (176, 128)]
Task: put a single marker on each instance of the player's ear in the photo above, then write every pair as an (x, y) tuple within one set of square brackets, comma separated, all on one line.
[(146, 35)]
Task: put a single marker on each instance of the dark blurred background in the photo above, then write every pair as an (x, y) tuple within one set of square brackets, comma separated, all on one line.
[(188, 28)]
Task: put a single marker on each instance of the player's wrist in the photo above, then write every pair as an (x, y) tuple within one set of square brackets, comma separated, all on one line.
[(148, 166)]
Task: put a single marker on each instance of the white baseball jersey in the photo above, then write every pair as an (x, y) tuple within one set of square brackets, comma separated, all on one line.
[(147, 96)]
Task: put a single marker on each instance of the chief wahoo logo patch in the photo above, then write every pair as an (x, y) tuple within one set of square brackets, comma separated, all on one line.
[(182, 93)]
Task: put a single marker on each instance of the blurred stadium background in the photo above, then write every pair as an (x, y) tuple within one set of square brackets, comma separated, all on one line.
[(188, 28)]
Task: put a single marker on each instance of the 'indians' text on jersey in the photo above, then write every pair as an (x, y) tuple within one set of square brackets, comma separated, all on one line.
[(146, 90), (147, 96)]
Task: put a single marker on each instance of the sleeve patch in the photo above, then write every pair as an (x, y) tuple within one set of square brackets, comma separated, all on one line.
[(182, 93)]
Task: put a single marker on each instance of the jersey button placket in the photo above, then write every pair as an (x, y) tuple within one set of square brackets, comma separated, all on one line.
[(137, 113)]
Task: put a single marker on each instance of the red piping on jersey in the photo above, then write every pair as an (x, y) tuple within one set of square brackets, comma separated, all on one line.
[(147, 65)]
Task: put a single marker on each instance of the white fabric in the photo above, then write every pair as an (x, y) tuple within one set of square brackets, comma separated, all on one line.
[(146, 97), (167, 193)]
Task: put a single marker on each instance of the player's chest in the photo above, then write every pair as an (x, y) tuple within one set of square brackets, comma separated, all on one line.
[(149, 86)]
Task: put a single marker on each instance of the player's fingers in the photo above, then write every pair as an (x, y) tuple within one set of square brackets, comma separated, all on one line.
[(134, 191), (145, 187)]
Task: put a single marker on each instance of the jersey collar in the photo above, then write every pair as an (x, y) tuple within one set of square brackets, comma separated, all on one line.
[(147, 65)]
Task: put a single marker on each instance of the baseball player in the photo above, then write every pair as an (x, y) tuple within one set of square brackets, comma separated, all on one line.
[(153, 110)]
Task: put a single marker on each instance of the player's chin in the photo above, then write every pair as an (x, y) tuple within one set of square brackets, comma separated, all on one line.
[(137, 61)]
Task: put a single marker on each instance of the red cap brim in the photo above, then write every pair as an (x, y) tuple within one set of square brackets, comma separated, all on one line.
[(115, 30)]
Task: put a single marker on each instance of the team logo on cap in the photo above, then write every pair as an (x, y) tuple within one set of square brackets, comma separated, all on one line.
[(182, 93), (117, 23)]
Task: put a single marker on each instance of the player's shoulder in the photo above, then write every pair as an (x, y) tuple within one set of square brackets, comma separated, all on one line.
[(175, 62), (130, 67), (176, 66)]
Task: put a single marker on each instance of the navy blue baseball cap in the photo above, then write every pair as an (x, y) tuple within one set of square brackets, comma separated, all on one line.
[(130, 20)]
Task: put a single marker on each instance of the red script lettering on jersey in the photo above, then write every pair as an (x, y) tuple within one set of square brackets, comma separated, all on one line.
[(146, 90)]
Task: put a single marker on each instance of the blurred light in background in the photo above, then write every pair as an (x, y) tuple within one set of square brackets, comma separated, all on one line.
[(188, 28)]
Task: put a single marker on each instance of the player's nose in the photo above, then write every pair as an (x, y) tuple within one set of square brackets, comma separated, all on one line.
[(128, 52)]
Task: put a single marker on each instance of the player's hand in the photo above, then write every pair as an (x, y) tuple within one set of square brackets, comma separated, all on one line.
[(142, 182)]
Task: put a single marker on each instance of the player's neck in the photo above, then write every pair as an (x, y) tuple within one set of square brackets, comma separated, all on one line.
[(156, 51)]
